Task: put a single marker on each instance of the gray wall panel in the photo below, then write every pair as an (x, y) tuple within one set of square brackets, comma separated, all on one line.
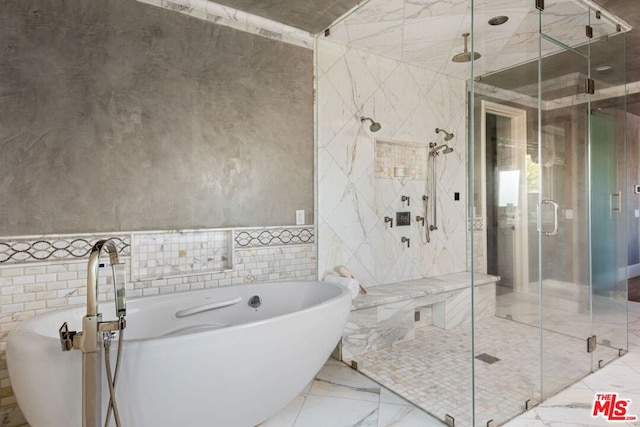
[(120, 116)]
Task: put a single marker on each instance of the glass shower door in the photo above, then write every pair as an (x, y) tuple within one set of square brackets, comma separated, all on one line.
[(608, 198), (562, 208)]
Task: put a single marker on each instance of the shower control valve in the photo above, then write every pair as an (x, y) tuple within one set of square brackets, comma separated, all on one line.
[(389, 220), (406, 199), (406, 240), (420, 219)]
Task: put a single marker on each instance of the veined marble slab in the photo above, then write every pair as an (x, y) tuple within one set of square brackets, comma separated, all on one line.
[(243, 21), (411, 289), (378, 327), (385, 315)]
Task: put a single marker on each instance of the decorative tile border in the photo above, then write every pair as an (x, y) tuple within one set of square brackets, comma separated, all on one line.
[(156, 253), (274, 237), (233, 18), (47, 248)]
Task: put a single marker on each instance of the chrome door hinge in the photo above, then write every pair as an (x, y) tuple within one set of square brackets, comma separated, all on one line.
[(589, 86), (540, 5), (591, 344), (589, 31)]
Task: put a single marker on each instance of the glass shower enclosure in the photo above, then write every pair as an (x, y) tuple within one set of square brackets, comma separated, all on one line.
[(531, 97), (548, 145)]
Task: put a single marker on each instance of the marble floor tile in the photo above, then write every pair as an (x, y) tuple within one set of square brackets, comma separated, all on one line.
[(343, 397), (342, 381), (405, 416), (288, 416), (322, 411), (387, 396)]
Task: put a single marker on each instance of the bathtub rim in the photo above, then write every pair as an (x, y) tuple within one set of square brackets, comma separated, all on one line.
[(24, 330)]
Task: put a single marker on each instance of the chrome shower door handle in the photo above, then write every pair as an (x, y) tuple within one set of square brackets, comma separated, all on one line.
[(556, 208), (616, 206)]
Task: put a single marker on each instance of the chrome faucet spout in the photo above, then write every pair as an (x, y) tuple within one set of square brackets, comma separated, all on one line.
[(92, 272), (89, 339)]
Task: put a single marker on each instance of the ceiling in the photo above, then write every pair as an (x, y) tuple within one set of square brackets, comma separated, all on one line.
[(309, 15), (428, 33), (629, 11)]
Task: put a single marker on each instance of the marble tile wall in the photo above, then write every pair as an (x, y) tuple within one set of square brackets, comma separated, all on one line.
[(410, 103), (32, 282), (165, 254), (233, 18)]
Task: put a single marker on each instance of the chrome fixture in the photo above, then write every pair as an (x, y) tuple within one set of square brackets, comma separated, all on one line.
[(465, 56), (375, 126), (389, 220), (406, 199), (498, 20), (434, 151), (406, 240), (420, 219), (425, 224), (89, 339), (448, 136)]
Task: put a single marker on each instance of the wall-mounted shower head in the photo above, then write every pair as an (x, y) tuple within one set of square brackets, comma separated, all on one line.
[(465, 56), (435, 149), (448, 136), (375, 126)]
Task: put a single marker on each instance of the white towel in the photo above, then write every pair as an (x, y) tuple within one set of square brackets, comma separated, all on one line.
[(352, 284)]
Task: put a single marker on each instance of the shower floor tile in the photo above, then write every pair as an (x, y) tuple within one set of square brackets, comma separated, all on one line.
[(433, 371)]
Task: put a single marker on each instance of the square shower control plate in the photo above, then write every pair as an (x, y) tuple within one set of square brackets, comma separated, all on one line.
[(403, 218)]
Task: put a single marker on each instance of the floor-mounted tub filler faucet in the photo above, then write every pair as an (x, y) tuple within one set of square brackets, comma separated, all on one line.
[(96, 332)]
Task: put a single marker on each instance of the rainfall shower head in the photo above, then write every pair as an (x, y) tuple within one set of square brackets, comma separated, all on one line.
[(465, 56), (375, 126), (448, 136)]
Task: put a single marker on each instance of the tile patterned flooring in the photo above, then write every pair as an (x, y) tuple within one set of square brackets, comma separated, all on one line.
[(340, 396)]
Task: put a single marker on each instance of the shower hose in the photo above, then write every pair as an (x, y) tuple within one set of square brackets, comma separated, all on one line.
[(112, 379)]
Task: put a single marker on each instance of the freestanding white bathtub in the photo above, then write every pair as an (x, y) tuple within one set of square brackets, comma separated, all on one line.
[(228, 367)]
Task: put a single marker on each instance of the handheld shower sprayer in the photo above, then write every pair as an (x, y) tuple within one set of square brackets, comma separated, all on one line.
[(375, 126), (448, 136)]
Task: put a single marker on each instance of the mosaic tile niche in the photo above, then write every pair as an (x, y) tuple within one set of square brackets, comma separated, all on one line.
[(42, 273), (401, 160)]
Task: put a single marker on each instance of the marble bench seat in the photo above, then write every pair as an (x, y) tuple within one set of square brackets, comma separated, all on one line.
[(389, 313)]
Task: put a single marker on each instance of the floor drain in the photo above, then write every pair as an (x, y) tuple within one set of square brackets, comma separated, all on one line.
[(487, 358)]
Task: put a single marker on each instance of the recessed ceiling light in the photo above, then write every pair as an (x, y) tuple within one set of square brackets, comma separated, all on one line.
[(498, 20), (603, 68)]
